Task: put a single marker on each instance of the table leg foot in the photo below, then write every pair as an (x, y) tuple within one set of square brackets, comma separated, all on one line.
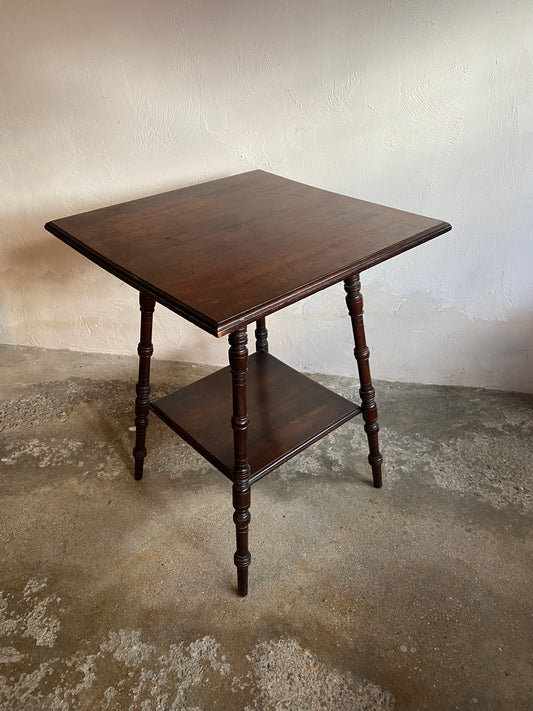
[(375, 463), (145, 351), (354, 300), (242, 581), (242, 557)]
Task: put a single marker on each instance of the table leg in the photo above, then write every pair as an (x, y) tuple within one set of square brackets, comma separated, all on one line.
[(145, 350), (354, 300), (238, 359), (261, 335)]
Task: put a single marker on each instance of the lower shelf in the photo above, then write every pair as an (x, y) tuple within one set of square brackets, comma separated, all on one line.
[(288, 412)]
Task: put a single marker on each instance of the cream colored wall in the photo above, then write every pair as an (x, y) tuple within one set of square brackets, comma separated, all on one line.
[(425, 106)]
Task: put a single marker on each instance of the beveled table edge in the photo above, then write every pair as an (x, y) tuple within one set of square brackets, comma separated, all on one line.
[(225, 326)]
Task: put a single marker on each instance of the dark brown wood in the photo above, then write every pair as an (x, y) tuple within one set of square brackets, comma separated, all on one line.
[(354, 300), (288, 412), (238, 359), (231, 251), (261, 335), (145, 350), (224, 254)]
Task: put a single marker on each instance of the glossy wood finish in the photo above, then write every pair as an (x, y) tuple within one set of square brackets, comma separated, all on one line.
[(354, 300), (225, 254), (231, 251), (145, 350), (288, 411), (238, 359)]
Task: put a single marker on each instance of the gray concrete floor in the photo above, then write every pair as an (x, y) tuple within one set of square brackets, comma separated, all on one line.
[(119, 594)]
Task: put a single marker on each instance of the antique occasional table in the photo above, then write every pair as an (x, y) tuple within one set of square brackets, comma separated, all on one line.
[(228, 253)]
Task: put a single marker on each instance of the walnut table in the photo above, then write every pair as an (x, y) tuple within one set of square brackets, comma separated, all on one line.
[(227, 253)]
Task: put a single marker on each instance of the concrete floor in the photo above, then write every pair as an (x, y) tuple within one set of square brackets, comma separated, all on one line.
[(119, 594)]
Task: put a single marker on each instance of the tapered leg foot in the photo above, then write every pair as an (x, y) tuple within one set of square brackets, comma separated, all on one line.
[(375, 463), (238, 358), (241, 519), (145, 350), (242, 581), (354, 300)]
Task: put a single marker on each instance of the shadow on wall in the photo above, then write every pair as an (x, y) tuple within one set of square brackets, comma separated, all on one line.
[(58, 281), (67, 300)]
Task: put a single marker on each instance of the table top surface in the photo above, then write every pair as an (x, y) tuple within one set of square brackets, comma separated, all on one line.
[(229, 251)]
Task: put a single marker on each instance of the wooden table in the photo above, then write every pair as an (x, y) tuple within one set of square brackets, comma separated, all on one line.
[(227, 253)]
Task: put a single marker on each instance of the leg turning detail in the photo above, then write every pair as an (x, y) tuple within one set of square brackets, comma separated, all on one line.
[(354, 300), (238, 358)]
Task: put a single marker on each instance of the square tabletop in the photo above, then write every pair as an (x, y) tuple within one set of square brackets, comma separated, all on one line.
[(226, 252)]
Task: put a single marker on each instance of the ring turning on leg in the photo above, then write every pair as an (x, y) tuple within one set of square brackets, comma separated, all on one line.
[(354, 300), (261, 335), (238, 359)]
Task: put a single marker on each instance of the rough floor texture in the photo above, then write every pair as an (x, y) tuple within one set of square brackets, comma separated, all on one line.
[(119, 594)]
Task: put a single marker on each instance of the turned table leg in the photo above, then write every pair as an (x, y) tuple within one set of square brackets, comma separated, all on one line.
[(261, 335), (238, 359), (145, 350), (354, 300)]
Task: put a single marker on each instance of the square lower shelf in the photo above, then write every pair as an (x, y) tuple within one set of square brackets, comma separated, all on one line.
[(288, 412)]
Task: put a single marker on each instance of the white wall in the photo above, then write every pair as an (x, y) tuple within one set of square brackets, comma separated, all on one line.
[(422, 105)]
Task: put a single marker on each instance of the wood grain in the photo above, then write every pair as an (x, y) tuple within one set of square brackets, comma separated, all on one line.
[(287, 412), (230, 251)]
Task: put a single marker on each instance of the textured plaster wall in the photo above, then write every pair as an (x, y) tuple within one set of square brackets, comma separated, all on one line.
[(425, 106)]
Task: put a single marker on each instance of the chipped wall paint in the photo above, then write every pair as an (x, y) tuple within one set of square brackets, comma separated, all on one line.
[(425, 106)]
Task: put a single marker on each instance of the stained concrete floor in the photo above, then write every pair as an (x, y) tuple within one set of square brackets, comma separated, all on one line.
[(119, 594)]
